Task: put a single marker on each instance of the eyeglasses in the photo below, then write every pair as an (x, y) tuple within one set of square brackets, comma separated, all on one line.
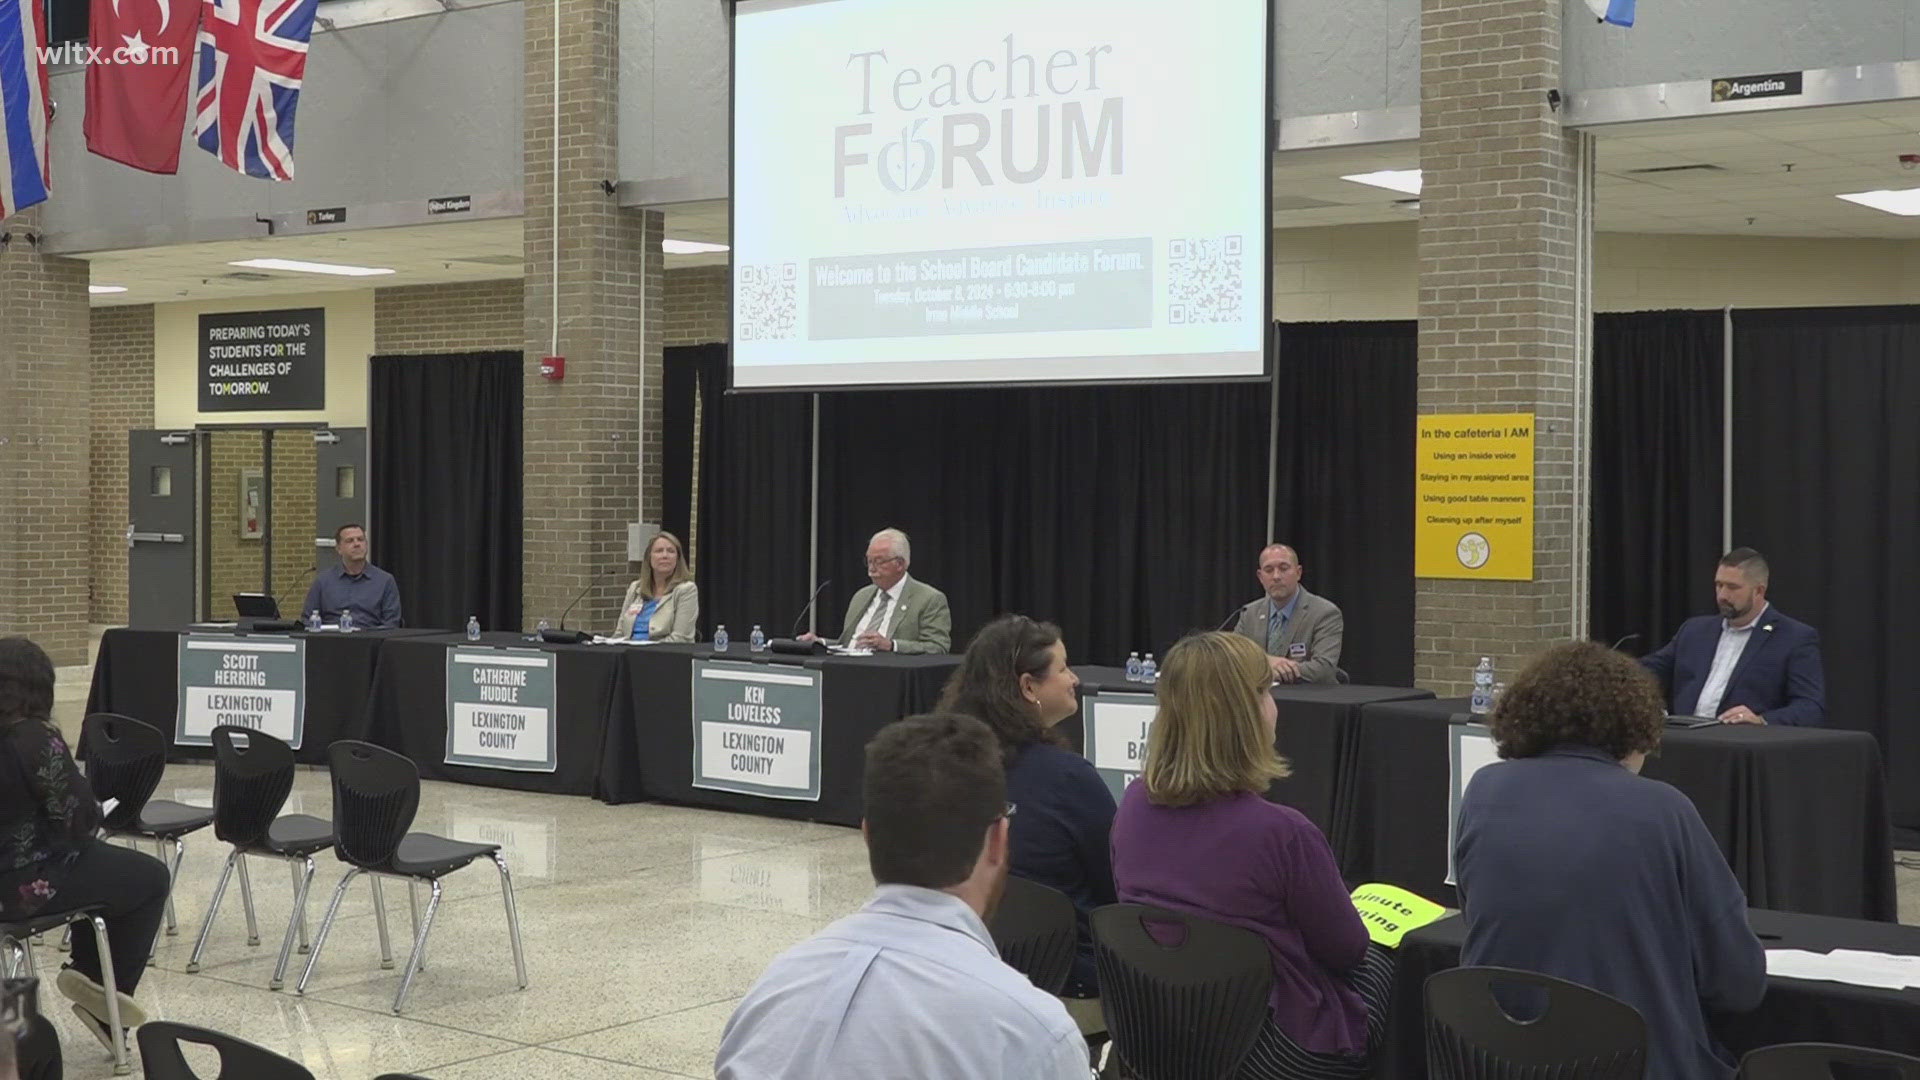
[(875, 564), (1011, 807)]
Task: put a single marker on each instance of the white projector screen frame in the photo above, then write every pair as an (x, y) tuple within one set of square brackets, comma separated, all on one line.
[(1247, 361)]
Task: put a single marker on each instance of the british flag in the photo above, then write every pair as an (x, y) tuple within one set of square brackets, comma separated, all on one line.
[(252, 56)]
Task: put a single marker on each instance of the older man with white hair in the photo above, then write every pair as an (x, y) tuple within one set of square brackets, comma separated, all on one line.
[(895, 613)]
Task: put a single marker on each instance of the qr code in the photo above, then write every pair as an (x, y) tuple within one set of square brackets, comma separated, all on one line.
[(1205, 280), (767, 308)]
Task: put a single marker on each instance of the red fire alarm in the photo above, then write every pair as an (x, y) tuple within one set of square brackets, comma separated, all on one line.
[(553, 368)]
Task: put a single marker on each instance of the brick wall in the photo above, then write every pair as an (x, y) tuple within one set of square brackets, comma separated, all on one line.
[(45, 509), (458, 317), (586, 474), (696, 311), (294, 481), (1502, 291), (121, 385), (233, 564)]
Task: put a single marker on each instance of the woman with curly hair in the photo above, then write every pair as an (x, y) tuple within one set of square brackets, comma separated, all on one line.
[(1571, 864), (50, 856), (1015, 679)]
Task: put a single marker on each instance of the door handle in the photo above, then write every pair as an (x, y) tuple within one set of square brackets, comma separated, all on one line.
[(155, 538)]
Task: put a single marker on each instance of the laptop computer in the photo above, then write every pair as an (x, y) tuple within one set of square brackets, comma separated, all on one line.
[(253, 605)]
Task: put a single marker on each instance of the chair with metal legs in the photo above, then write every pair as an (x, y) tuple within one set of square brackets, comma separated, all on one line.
[(16, 960), (125, 759), (252, 777), (376, 793)]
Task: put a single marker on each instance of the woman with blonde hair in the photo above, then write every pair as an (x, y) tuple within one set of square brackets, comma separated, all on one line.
[(1197, 835), (664, 604)]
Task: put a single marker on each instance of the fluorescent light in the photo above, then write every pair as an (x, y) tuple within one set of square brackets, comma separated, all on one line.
[(100, 289), (297, 266), (689, 247), (1405, 181), (1905, 202)]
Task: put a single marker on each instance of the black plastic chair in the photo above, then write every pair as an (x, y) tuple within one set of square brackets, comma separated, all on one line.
[(1580, 1032), (252, 777), (1035, 930), (16, 960), (1816, 1061), (376, 793), (1187, 1011), (125, 760), (239, 1060)]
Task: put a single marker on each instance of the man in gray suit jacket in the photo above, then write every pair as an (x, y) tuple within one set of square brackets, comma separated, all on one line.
[(895, 613), (1300, 631)]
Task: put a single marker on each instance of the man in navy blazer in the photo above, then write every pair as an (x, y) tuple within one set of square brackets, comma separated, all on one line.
[(1747, 665)]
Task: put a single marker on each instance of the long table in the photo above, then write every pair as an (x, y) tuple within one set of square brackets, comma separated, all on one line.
[(650, 738), (1314, 733), (137, 674), (407, 711), (1801, 813), (1794, 1010)]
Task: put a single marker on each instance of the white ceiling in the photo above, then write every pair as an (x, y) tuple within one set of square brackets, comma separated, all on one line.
[(1749, 191)]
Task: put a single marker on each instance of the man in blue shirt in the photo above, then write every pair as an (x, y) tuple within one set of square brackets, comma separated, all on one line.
[(355, 585)]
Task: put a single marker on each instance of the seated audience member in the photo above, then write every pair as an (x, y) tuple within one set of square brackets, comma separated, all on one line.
[(1015, 678), (910, 986), (1300, 632), (50, 858), (896, 613), (354, 585), (1197, 835), (663, 604), (1749, 664), (1571, 864), (36, 1051)]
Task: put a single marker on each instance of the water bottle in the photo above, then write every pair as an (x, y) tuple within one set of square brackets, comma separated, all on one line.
[(541, 628), (1149, 671), (473, 628), (757, 642), (1133, 666), (1483, 687), (346, 621), (720, 638), (313, 621)]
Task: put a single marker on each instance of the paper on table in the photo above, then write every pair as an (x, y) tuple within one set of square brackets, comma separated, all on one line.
[(107, 805), (846, 650), (1882, 970)]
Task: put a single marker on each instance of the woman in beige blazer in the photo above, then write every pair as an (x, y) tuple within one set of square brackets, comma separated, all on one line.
[(665, 594)]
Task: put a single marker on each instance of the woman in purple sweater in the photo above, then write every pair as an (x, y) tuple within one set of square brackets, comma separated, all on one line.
[(1196, 835)]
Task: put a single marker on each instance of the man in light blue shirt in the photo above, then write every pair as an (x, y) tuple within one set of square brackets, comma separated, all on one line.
[(354, 585), (911, 986)]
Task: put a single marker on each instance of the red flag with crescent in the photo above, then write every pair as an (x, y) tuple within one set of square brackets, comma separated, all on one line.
[(137, 74)]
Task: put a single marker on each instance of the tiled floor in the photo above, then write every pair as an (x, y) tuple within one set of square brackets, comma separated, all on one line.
[(643, 925)]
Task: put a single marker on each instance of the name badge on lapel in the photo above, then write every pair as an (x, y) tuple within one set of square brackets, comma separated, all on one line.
[(1297, 651)]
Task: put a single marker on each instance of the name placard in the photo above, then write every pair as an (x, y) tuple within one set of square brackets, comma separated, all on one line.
[(500, 709), (252, 682), (1116, 727), (756, 729)]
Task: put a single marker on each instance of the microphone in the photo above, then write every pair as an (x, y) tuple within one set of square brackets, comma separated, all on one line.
[(809, 607), (564, 636), (1232, 617), (304, 575), (1629, 637)]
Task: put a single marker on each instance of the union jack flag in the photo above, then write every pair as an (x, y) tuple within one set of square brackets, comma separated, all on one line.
[(252, 56)]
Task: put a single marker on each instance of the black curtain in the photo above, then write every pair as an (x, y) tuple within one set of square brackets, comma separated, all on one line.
[(444, 451), (680, 390), (1344, 481), (1658, 431), (1827, 485), (750, 546)]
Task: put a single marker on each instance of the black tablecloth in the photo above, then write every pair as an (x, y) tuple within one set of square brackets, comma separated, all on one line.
[(407, 711), (1794, 1010), (1801, 813), (137, 674), (1314, 732), (650, 740)]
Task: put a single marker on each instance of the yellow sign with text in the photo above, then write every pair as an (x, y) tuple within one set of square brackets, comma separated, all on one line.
[(1473, 494)]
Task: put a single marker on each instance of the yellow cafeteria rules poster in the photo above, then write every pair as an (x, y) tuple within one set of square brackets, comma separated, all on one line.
[(1473, 516)]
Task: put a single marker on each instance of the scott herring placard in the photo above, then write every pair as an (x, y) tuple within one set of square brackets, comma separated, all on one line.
[(756, 729), (500, 709), (258, 683)]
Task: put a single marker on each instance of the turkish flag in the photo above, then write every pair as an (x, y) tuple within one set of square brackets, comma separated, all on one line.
[(137, 80)]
